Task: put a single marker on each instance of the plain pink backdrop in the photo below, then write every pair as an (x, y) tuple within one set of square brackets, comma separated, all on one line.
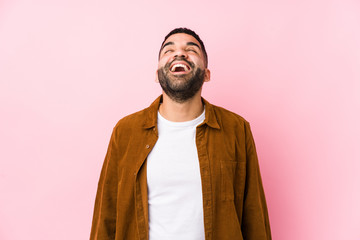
[(69, 70)]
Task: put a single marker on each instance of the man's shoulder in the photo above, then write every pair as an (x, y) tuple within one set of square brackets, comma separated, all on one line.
[(231, 124), (225, 116), (135, 119)]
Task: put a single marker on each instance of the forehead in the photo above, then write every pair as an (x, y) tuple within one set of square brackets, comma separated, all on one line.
[(181, 38)]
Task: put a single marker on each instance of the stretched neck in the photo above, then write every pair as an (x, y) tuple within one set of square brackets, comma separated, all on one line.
[(181, 112)]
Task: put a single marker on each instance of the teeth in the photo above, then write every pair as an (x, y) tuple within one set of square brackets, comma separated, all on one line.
[(179, 65)]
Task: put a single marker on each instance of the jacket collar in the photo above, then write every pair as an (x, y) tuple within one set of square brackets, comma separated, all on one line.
[(152, 110)]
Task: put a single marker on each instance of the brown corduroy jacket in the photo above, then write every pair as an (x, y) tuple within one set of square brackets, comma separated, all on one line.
[(233, 197)]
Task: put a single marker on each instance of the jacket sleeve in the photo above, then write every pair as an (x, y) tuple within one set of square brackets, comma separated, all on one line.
[(255, 219), (104, 217)]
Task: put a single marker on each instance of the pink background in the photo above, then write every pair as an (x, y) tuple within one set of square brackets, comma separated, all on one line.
[(70, 69)]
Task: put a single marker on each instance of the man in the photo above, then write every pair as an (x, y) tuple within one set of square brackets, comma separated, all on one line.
[(181, 168)]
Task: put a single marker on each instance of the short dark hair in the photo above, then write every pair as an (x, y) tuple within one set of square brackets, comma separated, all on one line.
[(189, 32)]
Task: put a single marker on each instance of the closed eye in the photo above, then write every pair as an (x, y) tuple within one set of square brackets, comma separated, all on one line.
[(191, 50), (169, 50)]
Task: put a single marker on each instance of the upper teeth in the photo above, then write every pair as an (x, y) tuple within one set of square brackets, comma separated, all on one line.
[(179, 65)]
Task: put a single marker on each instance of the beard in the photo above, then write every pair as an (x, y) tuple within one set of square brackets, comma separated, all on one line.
[(181, 88)]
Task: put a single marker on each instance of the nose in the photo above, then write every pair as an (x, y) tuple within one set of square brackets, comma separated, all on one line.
[(180, 53)]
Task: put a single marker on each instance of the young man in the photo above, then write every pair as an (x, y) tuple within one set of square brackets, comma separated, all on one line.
[(181, 169)]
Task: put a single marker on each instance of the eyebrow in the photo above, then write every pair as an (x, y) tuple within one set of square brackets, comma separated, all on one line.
[(193, 44), (188, 44)]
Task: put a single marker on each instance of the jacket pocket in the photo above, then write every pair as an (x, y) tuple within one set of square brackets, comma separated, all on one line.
[(228, 169)]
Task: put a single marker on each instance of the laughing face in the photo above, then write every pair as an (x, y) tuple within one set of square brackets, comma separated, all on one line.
[(181, 70)]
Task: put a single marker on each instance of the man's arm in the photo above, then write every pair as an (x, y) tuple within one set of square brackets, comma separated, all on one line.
[(104, 218), (255, 219)]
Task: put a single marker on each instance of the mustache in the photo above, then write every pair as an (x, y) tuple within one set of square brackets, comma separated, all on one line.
[(180, 59)]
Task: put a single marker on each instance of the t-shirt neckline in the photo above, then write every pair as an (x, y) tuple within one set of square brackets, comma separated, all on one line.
[(193, 122)]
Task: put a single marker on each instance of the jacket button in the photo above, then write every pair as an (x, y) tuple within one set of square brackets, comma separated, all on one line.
[(147, 146)]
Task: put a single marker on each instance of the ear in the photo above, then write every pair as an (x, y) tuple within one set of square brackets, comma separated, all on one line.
[(156, 76), (207, 75)]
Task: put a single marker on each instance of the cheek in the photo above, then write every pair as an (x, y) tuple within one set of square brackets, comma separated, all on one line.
[(161, 64), (163, 60), (198, 62)]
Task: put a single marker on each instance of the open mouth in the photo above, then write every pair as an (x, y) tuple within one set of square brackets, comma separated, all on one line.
[(179, 68)]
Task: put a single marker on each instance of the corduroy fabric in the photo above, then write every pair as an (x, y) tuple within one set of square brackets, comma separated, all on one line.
[(233, 197)]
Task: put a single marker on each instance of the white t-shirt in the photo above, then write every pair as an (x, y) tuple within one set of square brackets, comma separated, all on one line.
[(174, 183)]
